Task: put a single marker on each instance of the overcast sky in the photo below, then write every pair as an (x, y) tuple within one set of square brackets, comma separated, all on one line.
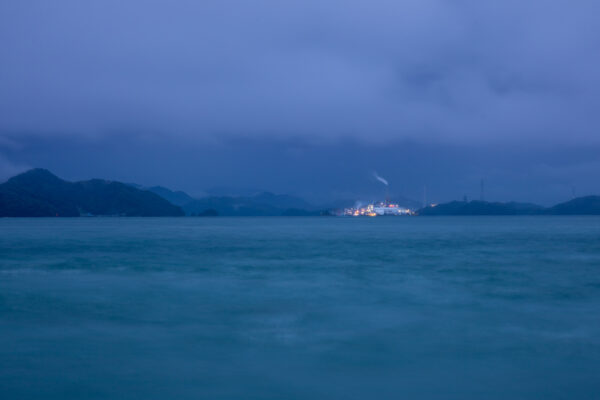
[(307, 97)]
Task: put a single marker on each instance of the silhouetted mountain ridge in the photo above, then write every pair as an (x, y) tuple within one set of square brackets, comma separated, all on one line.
[(178, 197), (588, 205), (262, 204), (39, 193)]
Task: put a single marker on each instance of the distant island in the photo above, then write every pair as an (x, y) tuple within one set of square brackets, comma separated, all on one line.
[(588, 205), (39, 193), (482, 208)]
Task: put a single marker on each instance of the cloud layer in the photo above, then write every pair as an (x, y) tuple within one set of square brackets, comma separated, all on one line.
[(379, 71)]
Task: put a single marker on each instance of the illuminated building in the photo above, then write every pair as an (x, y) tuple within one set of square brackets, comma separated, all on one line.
[(379, 209)]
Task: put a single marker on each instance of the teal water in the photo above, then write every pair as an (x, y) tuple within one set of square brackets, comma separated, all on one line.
[(300, 308)]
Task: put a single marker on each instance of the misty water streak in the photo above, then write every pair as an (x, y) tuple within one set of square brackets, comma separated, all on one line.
[(300, 308)]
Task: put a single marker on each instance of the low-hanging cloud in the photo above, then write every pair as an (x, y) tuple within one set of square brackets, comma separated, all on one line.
[(425, 70)]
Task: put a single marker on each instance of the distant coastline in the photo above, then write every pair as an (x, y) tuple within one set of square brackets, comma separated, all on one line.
[(588, 205), (39, 193)]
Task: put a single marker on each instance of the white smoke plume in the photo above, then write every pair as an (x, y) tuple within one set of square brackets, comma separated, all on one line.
[(380, 179)]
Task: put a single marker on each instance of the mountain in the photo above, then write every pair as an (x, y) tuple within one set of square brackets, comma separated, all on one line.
[(588, 205), (482, 208), (39, 193), (262, 204), (229, 206), (178, 198), (282, 201)]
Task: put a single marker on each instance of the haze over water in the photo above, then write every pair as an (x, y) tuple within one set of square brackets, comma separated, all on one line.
[(300, 308)]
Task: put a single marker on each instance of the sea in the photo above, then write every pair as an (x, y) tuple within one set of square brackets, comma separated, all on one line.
[(300, 308)]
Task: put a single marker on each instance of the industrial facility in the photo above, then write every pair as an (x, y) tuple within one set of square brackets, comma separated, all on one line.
[(378, 209), (384, 208)]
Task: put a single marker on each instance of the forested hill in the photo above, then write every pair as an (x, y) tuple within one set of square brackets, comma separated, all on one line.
[(39, 193)]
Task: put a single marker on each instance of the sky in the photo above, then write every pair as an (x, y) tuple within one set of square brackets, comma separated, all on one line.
[(307, 97)]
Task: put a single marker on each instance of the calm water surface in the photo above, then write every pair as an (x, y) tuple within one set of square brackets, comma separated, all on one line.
[(300, 308)]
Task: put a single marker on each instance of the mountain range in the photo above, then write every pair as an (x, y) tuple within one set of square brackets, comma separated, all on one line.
[(260, 204), (39, 193), (476, 207), (588, 205)]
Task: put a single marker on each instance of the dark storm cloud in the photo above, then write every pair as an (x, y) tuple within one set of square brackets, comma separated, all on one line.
[(451, 71)]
